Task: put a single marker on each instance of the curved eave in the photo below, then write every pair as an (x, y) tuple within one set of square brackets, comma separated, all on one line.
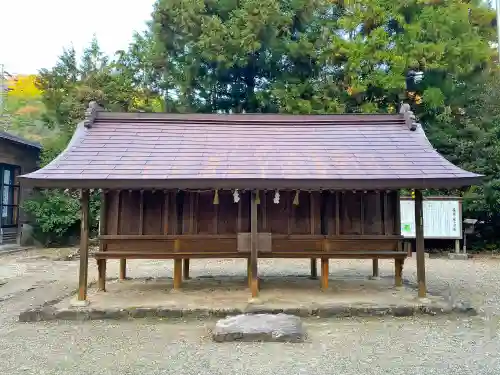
[(36, 177), (270, 184)]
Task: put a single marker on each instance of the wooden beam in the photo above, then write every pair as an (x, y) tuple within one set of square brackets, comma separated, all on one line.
[(254, 287), (84, 246), (419, 241), (324, 273)]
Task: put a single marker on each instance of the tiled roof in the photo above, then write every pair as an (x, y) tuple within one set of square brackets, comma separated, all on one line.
[(144, 150), (15, 139)]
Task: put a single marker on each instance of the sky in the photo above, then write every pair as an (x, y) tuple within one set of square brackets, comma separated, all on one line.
[(33, 33)]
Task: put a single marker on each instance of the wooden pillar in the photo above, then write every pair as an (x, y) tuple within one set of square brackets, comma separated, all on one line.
[(186, 269), (324, 273), (101, 270), (123, 269), (177, 273), (249, 272), (177, 266), (254, 283), (408, 249), (314, 269), (398, 274), (84, 246), (101, 263), (375, 269), (419, 243)]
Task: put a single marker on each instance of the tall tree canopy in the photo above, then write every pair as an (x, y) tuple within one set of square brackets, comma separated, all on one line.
[(317, 56)]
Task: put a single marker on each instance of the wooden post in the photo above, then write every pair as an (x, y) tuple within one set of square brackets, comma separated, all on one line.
[(314, 269), (84, 246), (312, 214), (123, 269), (249, 272), (408, 248), (375, 270), (177, 265), (177, 273), (324, 273), (254, 284), (419, 243), (398, 274), (186, 269), (101, 270), (101, 263)]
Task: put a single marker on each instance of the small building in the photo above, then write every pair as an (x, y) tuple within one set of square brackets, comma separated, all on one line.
[(184, 186), (17, 156)]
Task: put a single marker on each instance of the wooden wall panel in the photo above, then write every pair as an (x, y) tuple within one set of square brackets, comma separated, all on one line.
[(153, 212), (332, 213), (350, 212), (245, 211), (301, 214), (278, 214), (372, 213), (228, 214), (113, 215), (129, 212), (205, 212)]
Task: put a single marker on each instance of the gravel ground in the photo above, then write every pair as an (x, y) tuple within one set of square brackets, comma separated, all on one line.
[(421, 345)]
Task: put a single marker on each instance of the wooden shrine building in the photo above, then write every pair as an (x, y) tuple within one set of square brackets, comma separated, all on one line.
[(185, 186)]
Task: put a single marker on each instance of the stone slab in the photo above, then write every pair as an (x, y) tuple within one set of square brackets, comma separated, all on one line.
[(260, 327), (458, 256)]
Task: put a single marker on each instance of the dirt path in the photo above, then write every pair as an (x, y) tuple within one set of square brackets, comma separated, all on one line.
[(391, 346)]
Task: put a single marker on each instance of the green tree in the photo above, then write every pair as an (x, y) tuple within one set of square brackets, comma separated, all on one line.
[(317, 56)]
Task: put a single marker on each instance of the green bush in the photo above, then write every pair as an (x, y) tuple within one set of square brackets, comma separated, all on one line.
[(56, 215)]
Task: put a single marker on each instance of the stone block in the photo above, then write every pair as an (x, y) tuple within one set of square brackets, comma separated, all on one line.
[(260, 327), (458, 256)]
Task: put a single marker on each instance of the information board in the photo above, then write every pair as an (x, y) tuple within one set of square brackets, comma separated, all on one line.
[(442, 219)]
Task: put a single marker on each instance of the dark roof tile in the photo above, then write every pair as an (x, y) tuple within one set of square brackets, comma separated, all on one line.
[(238, 151)]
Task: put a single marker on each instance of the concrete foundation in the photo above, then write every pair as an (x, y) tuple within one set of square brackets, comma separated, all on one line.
[(203, 297)]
